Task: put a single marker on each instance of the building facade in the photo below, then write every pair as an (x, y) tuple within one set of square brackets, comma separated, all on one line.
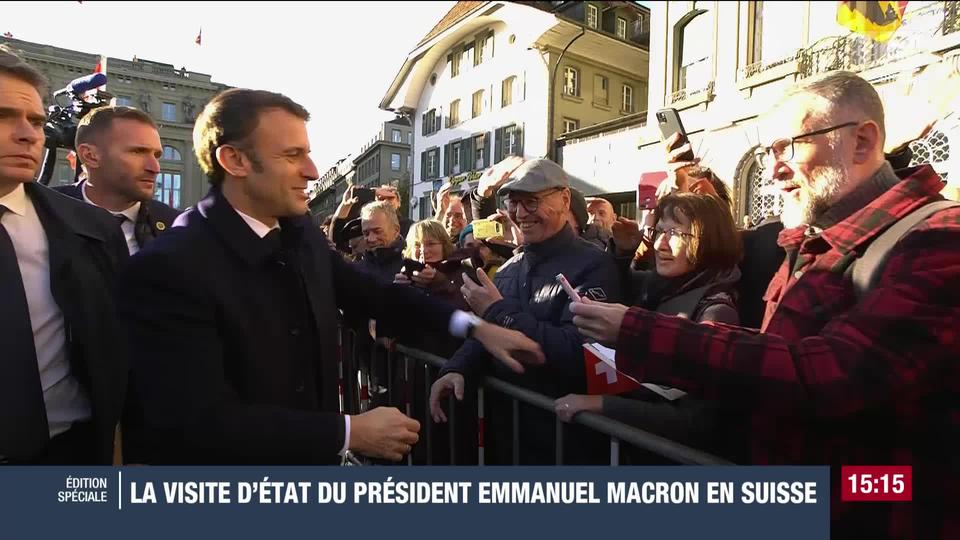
[(173, 97), (494, 79), (385, 160), (721, 64), (327, 192)]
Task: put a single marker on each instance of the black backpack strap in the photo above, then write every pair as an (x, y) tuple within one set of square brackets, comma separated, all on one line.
[(868, 267)]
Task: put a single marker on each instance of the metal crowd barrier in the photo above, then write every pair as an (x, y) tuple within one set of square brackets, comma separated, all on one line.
[(363, 365)]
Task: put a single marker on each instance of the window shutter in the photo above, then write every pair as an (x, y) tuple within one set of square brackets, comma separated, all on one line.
[(423, 124), (498, 152), (486, 150), (446, 159), (467, 163), (423, 166), (520, 140)]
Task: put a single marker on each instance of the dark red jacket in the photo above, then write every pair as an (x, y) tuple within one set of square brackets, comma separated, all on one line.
[(833, 381)]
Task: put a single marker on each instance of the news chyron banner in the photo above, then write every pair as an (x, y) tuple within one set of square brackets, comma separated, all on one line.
[(669, 503)]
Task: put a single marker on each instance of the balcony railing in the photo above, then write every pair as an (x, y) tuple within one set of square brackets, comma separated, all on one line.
[(859, 53), (759, 67), (691, 92)]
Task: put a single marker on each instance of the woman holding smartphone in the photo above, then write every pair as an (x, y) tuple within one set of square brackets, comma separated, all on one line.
[(426, 265), (696, 251)]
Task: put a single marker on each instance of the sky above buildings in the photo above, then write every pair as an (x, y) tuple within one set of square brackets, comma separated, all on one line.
[(335, 58)]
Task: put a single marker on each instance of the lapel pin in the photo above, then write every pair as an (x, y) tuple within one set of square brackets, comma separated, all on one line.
[(160, 226)]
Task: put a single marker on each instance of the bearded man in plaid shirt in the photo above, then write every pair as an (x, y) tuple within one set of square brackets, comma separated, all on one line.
[(832, 378)]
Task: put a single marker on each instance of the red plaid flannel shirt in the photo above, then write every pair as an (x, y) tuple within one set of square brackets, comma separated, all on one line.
[(832, 381)]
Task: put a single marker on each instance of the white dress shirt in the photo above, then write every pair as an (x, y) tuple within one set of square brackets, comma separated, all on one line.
[(127, 226), (63, 397)]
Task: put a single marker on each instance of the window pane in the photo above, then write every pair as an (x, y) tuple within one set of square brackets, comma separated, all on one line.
[(592, 16), (477, 103), (571, 82), (169, 112), (124, 101), (395, 162), (694, 65), (776, 40), (397, 136)]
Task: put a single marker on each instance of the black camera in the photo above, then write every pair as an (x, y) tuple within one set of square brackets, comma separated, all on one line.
[(60, 129)]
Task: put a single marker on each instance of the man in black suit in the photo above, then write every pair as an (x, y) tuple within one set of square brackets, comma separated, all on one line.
[(120, 150), (236, 356), (62, 375)]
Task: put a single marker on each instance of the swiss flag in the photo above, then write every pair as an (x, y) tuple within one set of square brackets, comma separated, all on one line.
[(602, 374)]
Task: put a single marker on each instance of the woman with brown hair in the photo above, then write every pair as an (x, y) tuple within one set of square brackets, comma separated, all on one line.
[(696, 251), (696, 248)]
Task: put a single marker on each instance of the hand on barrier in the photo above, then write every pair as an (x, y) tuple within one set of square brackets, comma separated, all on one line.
[(383, 433), (599, 321), (569, 405), (442, 387)]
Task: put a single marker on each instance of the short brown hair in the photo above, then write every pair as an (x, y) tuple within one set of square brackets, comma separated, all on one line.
[(100, 120), (230, 118), (14, 66), (715, 243)]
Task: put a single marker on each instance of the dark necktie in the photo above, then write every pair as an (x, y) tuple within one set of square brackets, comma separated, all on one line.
[(141, 227), (23, 424), (274, 243)]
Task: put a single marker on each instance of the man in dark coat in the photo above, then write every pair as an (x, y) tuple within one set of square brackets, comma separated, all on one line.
[(236, 357), (120, 149), (62, 377)]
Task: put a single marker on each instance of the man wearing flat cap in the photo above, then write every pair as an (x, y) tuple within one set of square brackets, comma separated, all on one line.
[(525, 296)]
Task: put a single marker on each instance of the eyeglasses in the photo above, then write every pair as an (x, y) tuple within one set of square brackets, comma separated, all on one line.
[(530, 204), (782, 149), (421, 245), (651, 234)]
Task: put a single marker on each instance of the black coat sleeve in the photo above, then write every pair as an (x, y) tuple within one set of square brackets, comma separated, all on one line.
[(178, 363), (405, 311)]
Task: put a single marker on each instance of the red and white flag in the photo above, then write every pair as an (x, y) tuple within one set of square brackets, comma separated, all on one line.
[(602, 374), (603, 377)]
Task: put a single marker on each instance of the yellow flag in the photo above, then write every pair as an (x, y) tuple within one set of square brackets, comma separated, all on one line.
[(877, 20)]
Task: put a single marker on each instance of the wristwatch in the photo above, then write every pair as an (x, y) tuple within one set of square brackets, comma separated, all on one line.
[(472, 323)]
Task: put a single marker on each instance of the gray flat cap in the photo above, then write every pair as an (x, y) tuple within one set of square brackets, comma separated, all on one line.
[(535, 175)]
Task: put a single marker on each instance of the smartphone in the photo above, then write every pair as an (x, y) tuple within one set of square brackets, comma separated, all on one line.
[(647, 189), (410, 266), (571, 292), (483, 229), (669, 122), (470, 266), (363, 196)]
